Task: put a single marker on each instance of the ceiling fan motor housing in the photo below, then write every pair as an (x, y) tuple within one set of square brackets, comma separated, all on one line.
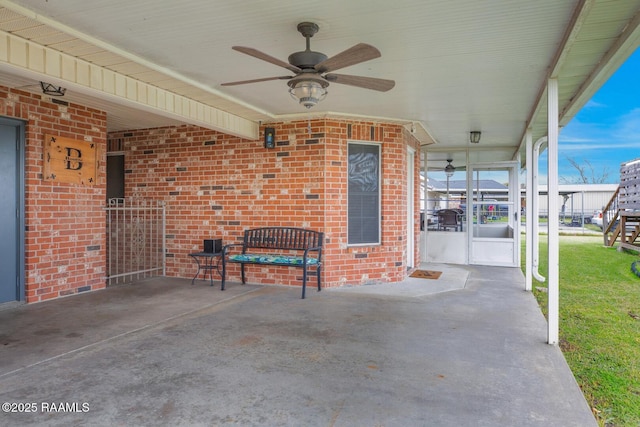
[(306, 59)]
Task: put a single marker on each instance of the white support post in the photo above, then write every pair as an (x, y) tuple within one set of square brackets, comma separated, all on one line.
[(425, 206), (554, 227), (528, 257)]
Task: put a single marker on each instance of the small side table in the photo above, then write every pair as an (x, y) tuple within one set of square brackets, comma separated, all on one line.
[(206, 262)]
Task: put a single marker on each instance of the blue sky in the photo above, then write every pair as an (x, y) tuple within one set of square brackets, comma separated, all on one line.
[(606, 132)]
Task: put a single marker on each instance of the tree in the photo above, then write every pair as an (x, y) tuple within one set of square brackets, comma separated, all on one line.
[(587, 173)]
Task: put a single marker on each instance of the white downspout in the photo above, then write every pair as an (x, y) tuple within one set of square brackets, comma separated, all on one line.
[(425, 207), (535, 211), (553, 275)]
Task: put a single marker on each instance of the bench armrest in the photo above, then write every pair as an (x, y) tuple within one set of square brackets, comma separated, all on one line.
[(315, 249), (226, 248)]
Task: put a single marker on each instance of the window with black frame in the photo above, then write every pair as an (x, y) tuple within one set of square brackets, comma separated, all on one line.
[(363, 194)]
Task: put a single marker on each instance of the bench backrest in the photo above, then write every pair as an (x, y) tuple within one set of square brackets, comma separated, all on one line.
[(284, 238)]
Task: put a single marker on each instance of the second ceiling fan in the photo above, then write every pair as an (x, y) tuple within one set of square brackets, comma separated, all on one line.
[(313, 70)]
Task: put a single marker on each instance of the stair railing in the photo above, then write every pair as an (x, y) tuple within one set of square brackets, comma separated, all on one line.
[(610, 219)]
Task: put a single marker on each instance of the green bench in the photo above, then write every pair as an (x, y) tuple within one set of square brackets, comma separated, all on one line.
[(283, 246)]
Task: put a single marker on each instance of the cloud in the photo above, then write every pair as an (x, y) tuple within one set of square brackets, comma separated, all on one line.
[(621, 134), (593, 104), (627, 127), (600, 146)]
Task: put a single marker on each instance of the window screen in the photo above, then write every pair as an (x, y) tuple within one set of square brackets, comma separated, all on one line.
[(364, 194)]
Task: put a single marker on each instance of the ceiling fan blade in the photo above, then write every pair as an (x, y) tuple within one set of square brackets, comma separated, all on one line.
[(354, 55), (261, 55), (264, 79), (441, 169), (372, 83)]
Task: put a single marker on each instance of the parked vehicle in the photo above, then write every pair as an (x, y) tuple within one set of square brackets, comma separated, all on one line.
[(597, 218), (577, 220)]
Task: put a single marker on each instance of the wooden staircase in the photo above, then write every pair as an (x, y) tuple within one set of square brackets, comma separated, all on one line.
[(610, 217), (621, 216)]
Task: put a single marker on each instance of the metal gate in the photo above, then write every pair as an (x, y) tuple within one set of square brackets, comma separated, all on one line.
[(135, 239)]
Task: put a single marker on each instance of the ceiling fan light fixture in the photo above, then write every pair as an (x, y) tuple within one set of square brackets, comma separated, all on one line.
[(308, 92), (449, 169), (474, 136)]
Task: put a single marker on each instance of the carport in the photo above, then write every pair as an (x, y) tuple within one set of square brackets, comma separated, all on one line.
[(163, 352), (467, 349)]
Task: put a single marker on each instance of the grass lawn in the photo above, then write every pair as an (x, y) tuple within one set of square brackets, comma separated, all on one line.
[(599, 324)]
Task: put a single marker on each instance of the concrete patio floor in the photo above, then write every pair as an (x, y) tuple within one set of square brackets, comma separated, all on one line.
[(467, 349)]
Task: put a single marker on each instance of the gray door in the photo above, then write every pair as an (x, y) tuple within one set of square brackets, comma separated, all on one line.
[(10, 212)]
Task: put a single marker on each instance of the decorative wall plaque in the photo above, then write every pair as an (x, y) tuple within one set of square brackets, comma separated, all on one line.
[(69, 160)]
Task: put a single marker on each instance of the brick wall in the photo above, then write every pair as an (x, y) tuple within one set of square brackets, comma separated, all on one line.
[(217, 185), (376, 263), (65, 223)]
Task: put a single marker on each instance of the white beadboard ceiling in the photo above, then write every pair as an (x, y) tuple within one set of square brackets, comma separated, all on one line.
[(458, 65)]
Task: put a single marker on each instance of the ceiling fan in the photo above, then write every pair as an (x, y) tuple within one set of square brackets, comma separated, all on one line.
[(449, 169), (312, 70)]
